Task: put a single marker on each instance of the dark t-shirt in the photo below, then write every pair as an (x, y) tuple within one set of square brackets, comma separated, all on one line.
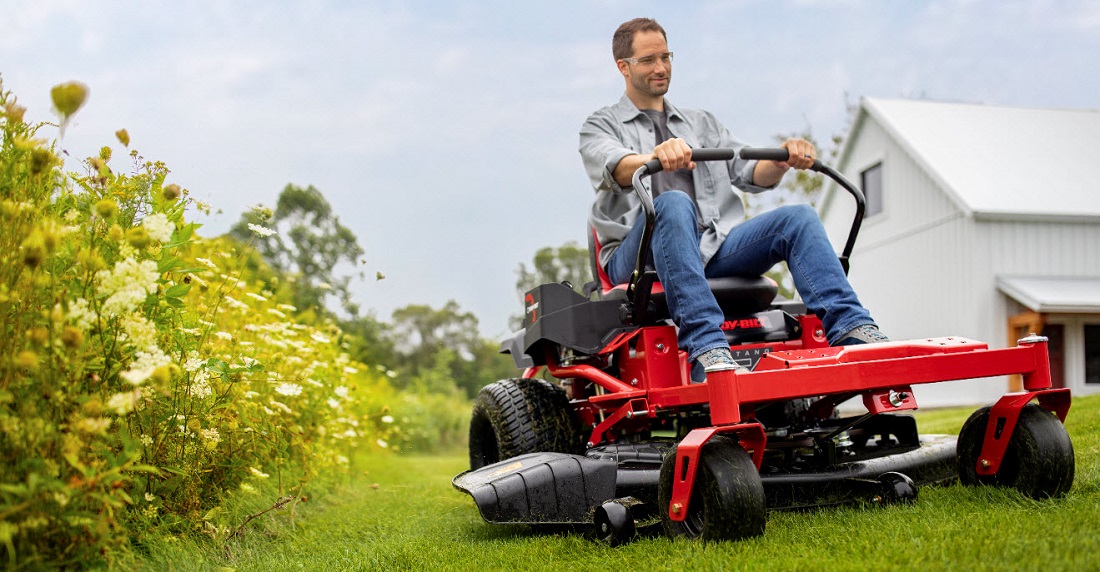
[(679, 180)]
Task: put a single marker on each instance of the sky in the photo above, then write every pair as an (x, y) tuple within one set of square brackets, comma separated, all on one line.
[(444, 133)]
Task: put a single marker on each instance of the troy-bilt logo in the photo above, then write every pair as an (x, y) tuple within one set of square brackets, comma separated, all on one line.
[(532, 306), (744, 324)]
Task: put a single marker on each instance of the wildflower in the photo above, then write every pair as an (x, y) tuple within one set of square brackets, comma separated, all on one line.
[(200, 386), (158, 227), (123, 403), (106, 209), (289, 389), (382, 443), (68, 98), (350, 370), (194, 362), (333, 403), (287, 307), (224, 336), (145, 364), (141, 332), (72, 337), (170, 192), (235, 304), (255, 296), (210, 437), (150, 497), (79, 315), (34, 249), (123, 137), (282, 406), (341, 391), (258, 473), (276, 313), (92, 425), (206, 261), (387, 418), (127, 285), (26, 359), (138, 237), (261, 231), (146, 440), (319, 338)]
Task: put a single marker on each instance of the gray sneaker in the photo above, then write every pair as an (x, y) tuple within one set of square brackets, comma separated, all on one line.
[(718, 359), (865, 334)]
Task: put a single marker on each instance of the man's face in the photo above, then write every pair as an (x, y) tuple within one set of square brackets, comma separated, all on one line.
[(648, 80)]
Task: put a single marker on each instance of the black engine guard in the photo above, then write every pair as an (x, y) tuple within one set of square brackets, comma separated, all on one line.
[(559, 488)]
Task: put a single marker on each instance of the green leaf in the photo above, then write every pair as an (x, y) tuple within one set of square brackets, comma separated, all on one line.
[(177, 291), (168, 264), (176, 302)]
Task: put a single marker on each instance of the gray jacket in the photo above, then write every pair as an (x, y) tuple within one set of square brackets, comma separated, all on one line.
[(619, 130)]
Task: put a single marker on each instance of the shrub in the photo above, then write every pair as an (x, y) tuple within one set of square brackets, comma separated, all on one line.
[(142, 376)]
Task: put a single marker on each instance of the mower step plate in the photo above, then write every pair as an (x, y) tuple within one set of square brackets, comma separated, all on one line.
[(540, 488)]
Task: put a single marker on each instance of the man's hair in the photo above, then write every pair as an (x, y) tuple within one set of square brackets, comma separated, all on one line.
[(622, 43)]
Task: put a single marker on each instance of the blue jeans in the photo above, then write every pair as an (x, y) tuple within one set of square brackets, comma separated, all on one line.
[(793, 233)]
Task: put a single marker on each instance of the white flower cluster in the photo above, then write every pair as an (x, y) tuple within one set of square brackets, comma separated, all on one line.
[(261, 230), (127, 285), (158, 227), (144, 364)]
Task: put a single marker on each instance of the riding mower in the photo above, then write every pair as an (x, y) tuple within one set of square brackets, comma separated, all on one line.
[(623, 441)]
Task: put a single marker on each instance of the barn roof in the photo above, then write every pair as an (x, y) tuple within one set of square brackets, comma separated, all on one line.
[(998, 163)]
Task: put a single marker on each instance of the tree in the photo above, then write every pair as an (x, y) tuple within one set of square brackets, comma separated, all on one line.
[(428, 341), (566, 263), (308, 245)]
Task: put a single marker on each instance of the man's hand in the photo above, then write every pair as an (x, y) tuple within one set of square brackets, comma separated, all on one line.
[(768, 173), (802, 154), (673, 154)]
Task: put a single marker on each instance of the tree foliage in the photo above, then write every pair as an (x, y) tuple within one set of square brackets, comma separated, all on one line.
[(308, 246), (441, 350), (566, 263)]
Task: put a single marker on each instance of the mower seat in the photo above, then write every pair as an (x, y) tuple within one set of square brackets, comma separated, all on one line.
[(736, 295)]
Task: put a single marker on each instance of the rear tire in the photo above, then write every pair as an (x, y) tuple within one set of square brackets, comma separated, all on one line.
[(727, 500), (514, 417), (1039, 461)]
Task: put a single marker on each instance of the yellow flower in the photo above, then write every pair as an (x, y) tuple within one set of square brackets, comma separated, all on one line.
[(68, 97)]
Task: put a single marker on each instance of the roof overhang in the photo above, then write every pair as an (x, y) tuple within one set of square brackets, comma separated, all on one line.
[(1053, 295)]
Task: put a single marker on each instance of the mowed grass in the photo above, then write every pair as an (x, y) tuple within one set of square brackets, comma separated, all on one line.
[(415, 520)]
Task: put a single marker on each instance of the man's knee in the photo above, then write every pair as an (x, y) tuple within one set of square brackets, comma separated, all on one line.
[(801, 214), (675, 204)]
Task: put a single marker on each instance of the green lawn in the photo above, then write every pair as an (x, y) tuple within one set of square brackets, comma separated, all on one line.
[(415, 520)]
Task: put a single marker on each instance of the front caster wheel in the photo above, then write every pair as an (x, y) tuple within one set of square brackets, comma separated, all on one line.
[(614, 523), (1039, 460), (897, 488), (727, 499)]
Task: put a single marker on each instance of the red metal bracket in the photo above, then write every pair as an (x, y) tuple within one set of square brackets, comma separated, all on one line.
[(752, 438), (630, 410), (1002, 422)]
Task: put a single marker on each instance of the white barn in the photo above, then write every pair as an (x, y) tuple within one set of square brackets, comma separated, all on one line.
[(984, 222)]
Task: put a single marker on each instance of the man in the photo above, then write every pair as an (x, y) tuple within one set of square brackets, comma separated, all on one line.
[(701, 231)]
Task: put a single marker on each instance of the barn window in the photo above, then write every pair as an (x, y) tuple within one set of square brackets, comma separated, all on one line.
[(1092, 354), (872, 189)]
